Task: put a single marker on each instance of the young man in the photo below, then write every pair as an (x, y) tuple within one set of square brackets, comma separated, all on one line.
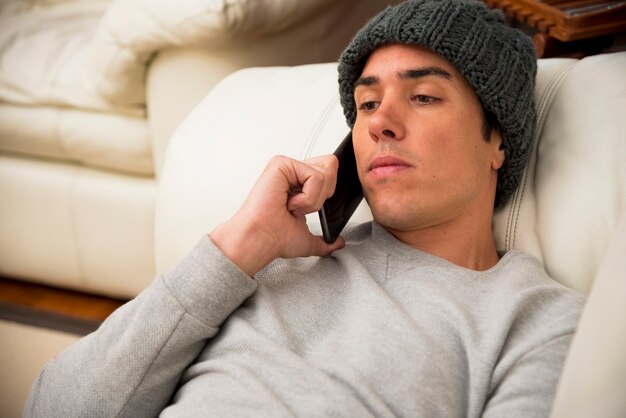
[(415, 314)]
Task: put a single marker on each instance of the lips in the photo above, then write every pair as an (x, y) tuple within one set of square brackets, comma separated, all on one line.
[(387, 165)]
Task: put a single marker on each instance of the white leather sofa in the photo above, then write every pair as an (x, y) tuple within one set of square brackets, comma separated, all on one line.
[(567, 211), (90, 92)]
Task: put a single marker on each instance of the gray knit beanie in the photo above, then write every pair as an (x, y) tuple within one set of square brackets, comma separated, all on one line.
[(497, 60)]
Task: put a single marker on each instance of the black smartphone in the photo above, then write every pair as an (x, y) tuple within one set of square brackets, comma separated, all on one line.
[(337, 210)]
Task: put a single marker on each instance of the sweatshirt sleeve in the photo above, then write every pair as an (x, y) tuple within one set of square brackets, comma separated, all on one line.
[(131, 365), (530, 385)]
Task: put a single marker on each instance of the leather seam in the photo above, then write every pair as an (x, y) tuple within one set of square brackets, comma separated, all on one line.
[(542, 111), (317, 128)]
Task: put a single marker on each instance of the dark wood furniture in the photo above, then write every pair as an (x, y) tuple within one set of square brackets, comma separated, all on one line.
[(567, 27), (47, 307)]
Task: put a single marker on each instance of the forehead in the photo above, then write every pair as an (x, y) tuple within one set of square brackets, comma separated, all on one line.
[(397, 58)]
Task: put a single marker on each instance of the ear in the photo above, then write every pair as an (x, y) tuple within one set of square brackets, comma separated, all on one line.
[(498, 153)]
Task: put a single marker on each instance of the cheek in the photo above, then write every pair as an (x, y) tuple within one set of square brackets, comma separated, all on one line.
[(449, 157), (438, 148), (362, 148), (456, 135)]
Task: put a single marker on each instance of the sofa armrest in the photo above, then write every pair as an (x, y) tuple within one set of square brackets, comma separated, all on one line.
[(593, 382), (177, 80)]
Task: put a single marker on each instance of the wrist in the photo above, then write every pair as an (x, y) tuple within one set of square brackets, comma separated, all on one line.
[(241, 243)]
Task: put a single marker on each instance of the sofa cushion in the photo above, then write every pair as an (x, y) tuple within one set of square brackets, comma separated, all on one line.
[(44, 53), (70, 226), (109, 141), (131, 31)]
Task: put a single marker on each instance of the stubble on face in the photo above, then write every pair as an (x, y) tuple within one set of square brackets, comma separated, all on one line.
[(441, 140)]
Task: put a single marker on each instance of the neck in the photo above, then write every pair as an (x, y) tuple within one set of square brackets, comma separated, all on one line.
[(467, 242)]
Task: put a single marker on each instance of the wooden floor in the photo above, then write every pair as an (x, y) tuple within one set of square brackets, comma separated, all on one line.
[(53, 308)]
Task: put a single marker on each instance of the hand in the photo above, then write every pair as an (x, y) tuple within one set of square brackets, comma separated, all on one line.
[(271, 223)]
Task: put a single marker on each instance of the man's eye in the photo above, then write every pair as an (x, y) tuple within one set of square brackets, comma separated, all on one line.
[(368, 106), (423, 99)]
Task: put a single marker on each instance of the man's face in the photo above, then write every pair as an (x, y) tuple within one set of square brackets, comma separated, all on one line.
[(418, 141)]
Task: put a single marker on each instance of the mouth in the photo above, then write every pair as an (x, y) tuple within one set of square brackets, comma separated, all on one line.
[(387, 165)]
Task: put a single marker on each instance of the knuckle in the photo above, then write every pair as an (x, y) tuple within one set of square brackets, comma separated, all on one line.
[(334, 161), (332, 167), (273, 163), (317, 175), (276, 159)]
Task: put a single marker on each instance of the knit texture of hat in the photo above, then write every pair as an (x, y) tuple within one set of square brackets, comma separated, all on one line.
[(497, 60)]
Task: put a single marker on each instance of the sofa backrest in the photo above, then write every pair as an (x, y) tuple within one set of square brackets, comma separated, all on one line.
[(574, 189)]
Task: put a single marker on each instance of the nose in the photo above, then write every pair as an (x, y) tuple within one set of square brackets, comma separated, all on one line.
[(386, 123)]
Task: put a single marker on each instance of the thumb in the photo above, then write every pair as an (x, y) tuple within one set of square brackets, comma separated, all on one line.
[(319, 247)]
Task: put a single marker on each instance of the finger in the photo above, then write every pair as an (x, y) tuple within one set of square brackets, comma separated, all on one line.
[(323, 160), (329, 165), (292, 174), (313, 188), (321, 248), (313, 191)]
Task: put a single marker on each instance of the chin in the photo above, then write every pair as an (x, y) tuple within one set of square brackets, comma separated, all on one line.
[(395, 215)]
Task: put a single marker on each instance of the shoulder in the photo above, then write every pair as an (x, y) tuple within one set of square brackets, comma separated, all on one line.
[(526, 271), (539, 308), (531, 289)]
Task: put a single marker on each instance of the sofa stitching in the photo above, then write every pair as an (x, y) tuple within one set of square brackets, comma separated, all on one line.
[(73, 214), (318, 127), (544, 105), (535, 146)]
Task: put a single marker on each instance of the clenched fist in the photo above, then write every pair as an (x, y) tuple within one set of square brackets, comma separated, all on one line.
[(271, 223)]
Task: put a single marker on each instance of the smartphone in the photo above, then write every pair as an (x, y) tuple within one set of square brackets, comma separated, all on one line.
[(337, 209)]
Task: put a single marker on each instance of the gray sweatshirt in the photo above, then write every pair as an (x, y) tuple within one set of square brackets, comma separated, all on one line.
[(377, 329)]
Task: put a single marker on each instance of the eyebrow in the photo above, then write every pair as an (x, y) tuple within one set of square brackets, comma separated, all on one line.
[(410, 74)]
